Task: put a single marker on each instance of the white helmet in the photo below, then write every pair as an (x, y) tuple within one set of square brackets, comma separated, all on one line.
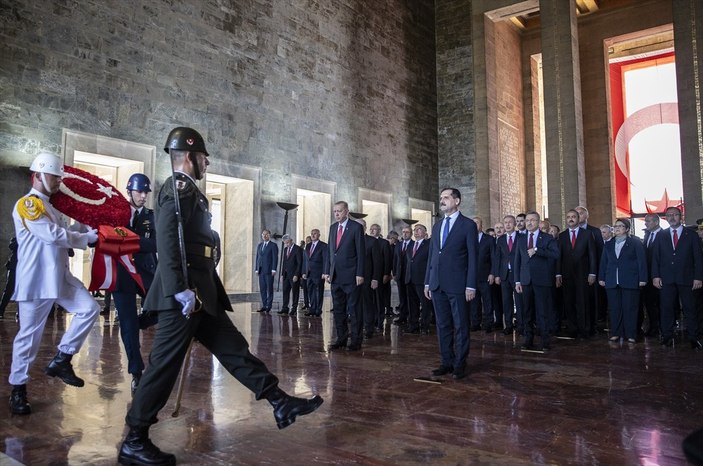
[(47, 162)]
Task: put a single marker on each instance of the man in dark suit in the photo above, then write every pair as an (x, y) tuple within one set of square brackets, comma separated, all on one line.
[(345, 271), (384, 288), (290, 274), (400, 264), (677, 271), (450, 281), (419, 307), (172, 295), (392, 239), (373, 274), (484, 297), (314, 260), (303, 280), (650, 293), (505, 277), (266, 259), (597, 303), (576, 274), (126, 288), (535, 261)]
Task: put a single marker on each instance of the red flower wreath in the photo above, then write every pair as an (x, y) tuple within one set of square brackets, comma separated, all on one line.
[(90, 200)]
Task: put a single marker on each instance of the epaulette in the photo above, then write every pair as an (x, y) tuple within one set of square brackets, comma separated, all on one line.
[(30, 208)]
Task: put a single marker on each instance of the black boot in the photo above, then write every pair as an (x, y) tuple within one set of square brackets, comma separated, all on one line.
[(286, 407), (61, 367), (138, 450), (18, 400)]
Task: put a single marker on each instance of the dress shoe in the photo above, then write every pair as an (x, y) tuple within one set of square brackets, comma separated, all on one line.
[(614, 338), (488, 330), (137, 449), (441, 370), (459, 374), (18, 400), (475, 328), (135, 382), (263, 309), (414, 331), (379, 330), (308, 314), (368, 335), (508, 331), (668, 341), (632, 341), (293, 313), (425, 331), (527, 345), (399, 321), (337, 345), (304, 307), (696, 345), (61, 367), (286, 408), (354, 347), (283, 312), (546, 346)]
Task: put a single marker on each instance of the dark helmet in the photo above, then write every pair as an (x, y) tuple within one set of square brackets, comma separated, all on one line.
[(139, 182), (182, 138)]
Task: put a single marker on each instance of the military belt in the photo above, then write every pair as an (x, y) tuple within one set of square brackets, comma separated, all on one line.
[(199, 250)]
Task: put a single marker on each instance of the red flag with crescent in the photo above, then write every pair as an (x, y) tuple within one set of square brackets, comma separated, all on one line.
[(93, 201)]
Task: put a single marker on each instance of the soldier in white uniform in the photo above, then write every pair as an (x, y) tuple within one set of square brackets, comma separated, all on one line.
[(43, 244)]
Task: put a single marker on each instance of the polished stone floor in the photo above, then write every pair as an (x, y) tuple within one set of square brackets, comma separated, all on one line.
[(584, 402)]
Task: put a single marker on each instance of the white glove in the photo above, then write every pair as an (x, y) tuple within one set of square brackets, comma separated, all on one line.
[(187, 300), (92, 235)]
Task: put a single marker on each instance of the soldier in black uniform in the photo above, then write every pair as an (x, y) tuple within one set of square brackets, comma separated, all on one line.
[(11, 273), (180, 321), (126, 289)]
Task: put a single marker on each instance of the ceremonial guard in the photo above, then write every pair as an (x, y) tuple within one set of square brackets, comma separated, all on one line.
[(126, 289), (191, 302), (43, 243)]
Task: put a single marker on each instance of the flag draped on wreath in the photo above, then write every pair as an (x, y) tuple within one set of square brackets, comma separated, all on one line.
[(93, 201)]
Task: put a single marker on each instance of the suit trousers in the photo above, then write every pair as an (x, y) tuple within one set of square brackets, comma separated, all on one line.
[(368, 307), (316, 290), (623, 304), (482, 306), (288, 285), (348, 318), (173, 335), (126, 305), (304, 286), (669, 297), (33, 315), (420, 308), (402, 299), (511, 302), (537, 309), (576, 293), (650, 296), (266, 289), (452, 314)]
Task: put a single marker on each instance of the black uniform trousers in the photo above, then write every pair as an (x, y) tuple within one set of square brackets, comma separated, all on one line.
[(173, 335), (126, 305)]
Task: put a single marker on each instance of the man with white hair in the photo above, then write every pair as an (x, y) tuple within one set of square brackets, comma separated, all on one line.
[(43, 243)]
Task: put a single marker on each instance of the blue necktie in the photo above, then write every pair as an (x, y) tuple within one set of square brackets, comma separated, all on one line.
[(445, 232)]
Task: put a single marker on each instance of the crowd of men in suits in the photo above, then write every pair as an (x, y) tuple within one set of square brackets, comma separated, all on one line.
[(525, 275)]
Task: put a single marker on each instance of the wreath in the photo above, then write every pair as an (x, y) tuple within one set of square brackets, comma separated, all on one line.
[(90, 200)]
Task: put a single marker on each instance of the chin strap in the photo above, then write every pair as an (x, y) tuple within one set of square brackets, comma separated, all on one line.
[(46, 185), (196, 168)]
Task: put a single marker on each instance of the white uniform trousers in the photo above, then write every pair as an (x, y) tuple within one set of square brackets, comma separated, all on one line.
[(33, 315)]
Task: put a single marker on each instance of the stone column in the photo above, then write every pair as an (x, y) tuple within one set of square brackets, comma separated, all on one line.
[(562, 108), (688, 41)]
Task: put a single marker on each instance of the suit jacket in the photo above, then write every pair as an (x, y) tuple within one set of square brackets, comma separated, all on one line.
[(144, 260), (417, 264), (400, 260), (486, 253), (453, 267), (314, 265), (504, 256), (346, 262), (649, 250), (680, 266), (42, 252), (373, 261), (293, 262), (540, 269), (598, 240), (579, 261), (387, 251), (266, 258), (628, 270), (197, 233)]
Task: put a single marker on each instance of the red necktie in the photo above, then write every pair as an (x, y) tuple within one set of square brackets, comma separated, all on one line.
[(510, 243), (340, 232), (402, 252), (676, 238), (530, 243), (415, 248), (573, 239)]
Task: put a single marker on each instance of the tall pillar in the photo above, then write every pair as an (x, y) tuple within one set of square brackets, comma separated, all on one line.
[(688, 41), (562, 108)]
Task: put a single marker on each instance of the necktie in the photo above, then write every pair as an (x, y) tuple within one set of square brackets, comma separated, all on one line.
[(510, 243), (312, 248), (340, 232), (530, 243), (445, 232), (676, 238), (573, 239), (415, 248), (134, 218), (288, 253), (651, 239), (405, 245)]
